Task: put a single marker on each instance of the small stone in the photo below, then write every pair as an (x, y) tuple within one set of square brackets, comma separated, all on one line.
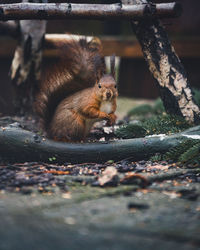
[(139, 168), (132, 205), (191, 195), (142, 162), (26, 191), (109, 177)]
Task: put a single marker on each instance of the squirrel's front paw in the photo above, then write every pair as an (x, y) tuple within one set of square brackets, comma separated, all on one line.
[(112, 119)]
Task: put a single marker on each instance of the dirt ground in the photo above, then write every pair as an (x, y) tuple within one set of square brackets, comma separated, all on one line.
[(141, 205), (115, 205)]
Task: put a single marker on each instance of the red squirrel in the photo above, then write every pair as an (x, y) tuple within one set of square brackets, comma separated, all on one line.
[(77, 92)]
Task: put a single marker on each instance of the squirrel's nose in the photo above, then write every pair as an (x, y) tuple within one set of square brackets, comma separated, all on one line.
[(108, 94)]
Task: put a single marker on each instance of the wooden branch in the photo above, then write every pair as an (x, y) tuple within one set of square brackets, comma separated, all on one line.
[(22, 11), (19, 145), (165, 67)]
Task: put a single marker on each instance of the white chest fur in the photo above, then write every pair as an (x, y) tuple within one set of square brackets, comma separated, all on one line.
[(106, 106)]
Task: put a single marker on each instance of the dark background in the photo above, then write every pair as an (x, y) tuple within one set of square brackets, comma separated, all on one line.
[(134, 77)]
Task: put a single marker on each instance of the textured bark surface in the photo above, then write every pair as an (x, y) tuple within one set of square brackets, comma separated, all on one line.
[(18, 145), (165, 67), (22, 11), (26, 64)]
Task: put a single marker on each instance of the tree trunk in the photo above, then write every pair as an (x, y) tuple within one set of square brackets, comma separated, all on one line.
[(165, 67), (26, 65)]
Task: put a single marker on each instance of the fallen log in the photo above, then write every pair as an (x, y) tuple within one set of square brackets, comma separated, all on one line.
[(52, 11), (19, 145)]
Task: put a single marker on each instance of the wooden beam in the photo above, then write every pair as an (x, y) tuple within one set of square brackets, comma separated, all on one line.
[(22, 11)]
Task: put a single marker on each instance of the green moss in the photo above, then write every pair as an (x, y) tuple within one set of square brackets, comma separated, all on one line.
[(158, 122), (165, 124), (187, 152), (191, 155), (158, 107), (176, 152), (162, 124), (196, 95), (140, 110), (52, 158), (146, 109), (156, 157), (130, 131)]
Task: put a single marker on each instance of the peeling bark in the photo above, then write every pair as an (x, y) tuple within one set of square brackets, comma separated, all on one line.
[(165, 67), (26, 64)]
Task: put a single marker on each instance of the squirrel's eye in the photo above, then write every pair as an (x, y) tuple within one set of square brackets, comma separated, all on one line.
[(115, 86), (99, 86)]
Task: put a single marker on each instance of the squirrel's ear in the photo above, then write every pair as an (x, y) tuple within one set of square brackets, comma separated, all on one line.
[(98, 77), (112, 65), (95, 44)]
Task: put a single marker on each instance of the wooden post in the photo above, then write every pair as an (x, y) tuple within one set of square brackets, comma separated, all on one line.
[(26, 65), (165, 67)]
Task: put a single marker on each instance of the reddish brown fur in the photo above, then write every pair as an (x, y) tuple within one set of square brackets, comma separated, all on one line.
[(70, 99)]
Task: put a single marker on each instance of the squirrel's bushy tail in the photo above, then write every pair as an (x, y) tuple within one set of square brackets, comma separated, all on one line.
[(80, 66)]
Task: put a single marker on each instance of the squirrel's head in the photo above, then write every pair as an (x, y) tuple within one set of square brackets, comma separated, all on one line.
[(106, 86)]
